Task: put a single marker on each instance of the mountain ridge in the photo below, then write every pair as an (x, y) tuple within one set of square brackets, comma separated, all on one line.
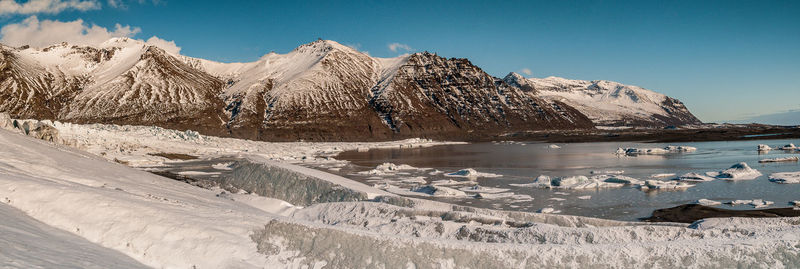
[(319, 91)]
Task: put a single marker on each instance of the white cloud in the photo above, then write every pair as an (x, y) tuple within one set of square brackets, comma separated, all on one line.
[(395, 47), (117, 4), (46, 6), (526, 71), (36, 33), (168, 46)]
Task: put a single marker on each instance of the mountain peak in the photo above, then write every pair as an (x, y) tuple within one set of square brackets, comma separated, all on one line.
[(322, 46)]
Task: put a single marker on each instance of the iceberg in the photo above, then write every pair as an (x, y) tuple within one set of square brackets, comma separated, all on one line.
[(762, 147), (789, 146), (655, 151), (785, 177), (739, 171), (694, 177), (665, 185)]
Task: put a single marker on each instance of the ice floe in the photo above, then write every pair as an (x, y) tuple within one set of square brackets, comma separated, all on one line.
[(655, 151), (435, 190), (607, 172), (783, 159), (707, 202), (471, 173), (757, 203), (785, 177), (389, 168), (585, 197), (739, 171), (665, 185), (762, 147), (482, 189), (694, 177), (554, 146), (789, 146)]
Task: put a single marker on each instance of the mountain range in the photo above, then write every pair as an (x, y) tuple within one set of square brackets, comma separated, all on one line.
[(321, 91)]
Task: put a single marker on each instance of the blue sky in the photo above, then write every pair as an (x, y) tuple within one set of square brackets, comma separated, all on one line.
[(726, 60)]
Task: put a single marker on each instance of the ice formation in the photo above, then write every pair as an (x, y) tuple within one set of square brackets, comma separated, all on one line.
[(471, 173), (707, 202), (785, 177), (738, 171), (762, 147), (783, 159), (655, 151)]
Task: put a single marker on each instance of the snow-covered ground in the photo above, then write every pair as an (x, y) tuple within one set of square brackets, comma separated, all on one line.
[(161, 222)]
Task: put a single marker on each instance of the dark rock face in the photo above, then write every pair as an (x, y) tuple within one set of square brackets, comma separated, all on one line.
[(335, 94), (158, 90), (431, 96), (29, 91)]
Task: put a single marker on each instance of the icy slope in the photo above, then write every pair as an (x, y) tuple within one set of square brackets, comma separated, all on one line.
[(608, 102), (157, 221), (28, 243), (165, 223)]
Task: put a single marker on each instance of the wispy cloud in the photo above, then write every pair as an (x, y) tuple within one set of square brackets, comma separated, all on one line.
[(40, 33), (121, 4), (10, 7), (396, 47), (526, 71), (34, 32)]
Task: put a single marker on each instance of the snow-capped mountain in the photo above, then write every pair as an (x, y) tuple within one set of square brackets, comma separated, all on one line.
[(608, 102), (319, 91)]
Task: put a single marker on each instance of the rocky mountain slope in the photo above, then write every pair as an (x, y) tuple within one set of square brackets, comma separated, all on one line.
[(609, 103), (319, 91)]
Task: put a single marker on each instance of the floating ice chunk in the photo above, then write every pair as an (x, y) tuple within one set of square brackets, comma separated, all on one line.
[(707, 202), (784, 159), (663, 175), (739, 202), (694, 177), (790, 146), (546, 210), (585, 197), (388, 168), (739, 171), (222, 166), (665, 185), (557, 199), (442, 191), (450, 182), (762, 147), (540, 182), (607, 172), (759, 203), (471, 173), (622, 180), (554, 146), (655, 151), (500, 195), (785, 177), (482, 189), (795, 203)]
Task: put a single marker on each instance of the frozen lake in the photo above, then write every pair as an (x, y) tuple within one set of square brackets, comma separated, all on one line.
[(519, 163)]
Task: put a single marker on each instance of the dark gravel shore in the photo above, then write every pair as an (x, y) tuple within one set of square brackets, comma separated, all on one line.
[(691, 212)]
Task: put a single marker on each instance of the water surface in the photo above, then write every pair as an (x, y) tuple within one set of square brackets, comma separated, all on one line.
[(520, 163)]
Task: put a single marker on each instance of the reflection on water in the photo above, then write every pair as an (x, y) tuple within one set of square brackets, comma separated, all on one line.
[(520, 163)]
